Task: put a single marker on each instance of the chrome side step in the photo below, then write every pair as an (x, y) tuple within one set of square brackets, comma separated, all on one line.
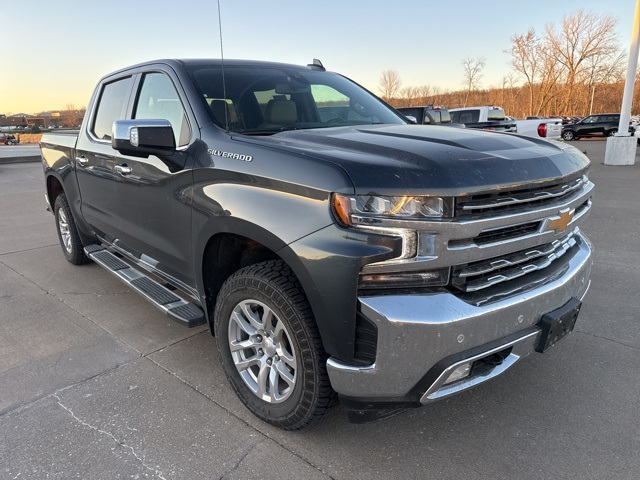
[(174, 306)]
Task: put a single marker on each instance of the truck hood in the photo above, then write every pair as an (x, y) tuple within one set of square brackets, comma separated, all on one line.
[(414, 159)]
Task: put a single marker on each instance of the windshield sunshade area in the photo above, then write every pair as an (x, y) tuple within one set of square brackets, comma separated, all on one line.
[(263, 100)]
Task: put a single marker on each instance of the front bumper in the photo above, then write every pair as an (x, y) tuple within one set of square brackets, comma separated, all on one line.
[(420, 336)]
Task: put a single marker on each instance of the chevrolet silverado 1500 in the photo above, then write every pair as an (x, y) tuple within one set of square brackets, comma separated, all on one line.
[(335, 251)]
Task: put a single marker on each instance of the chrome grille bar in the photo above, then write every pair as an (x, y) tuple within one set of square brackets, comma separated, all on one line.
[(525, 197), (475, 277)]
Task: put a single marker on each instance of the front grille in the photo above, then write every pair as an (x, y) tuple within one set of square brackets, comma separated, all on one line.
[(501, 202), (499, 234), (483, 274)]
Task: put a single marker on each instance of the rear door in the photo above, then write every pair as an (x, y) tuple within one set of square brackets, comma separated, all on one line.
[(153, 195)]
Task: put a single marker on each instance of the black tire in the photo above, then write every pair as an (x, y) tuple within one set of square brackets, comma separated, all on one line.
[(278, 366), (68, 235), (612, 132), (568, 135)]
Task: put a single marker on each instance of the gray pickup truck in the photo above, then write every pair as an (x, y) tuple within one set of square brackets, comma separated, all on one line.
[(335, 251)]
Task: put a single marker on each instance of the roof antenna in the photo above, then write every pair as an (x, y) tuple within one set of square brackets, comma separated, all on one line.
[(316, 64), (224, 83)]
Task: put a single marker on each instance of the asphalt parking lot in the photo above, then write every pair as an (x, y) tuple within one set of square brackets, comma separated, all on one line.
[(95, 383)]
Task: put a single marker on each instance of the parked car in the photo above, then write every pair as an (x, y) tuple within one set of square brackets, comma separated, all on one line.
[(601, 125), (6, 139), (484, 118), (540, 127), (429, 115)]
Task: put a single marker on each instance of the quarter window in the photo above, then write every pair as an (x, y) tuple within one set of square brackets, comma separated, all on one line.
[(110, 107), (158, 99)]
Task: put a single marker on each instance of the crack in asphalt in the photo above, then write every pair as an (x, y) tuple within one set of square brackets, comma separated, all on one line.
[(29, 249), (617, 342), (241, 459), (253, 427), (141, 459)]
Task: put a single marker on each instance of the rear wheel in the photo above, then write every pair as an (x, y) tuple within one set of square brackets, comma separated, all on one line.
[(68, 233), (568, 135), (270, 347)]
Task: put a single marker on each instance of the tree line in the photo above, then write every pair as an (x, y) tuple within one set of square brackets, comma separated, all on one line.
[(575, 68)]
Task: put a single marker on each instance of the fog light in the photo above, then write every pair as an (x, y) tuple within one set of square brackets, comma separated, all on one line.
[(459, 373)]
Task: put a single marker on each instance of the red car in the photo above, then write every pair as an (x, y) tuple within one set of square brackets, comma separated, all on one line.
[(6, 139)]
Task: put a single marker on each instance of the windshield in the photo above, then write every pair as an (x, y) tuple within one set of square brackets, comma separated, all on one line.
[(262, 100)]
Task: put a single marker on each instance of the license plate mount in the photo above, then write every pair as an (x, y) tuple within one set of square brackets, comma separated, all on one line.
[(558, 324)]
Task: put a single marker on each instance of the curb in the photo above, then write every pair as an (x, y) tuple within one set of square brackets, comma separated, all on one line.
[(25, 159)]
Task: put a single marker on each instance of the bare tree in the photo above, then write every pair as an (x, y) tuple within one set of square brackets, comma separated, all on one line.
[(582, 37), (472, 74), (408, 96), (389, 84), (71, 116), (599, 71), (525, 58)]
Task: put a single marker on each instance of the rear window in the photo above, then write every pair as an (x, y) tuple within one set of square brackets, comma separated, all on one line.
[(466, 116), (495, 114), (439, 116)]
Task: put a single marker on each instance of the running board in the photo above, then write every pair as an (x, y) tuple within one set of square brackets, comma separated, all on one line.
[(174, 306)]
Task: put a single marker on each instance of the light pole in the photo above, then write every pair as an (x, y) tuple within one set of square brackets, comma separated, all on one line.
[(621, 148)]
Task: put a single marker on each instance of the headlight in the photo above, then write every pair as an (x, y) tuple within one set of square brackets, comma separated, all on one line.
[(398, 216), (352, 210)]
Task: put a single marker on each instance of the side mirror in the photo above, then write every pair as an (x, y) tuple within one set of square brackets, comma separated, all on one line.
[(141, 137), (411, 118)]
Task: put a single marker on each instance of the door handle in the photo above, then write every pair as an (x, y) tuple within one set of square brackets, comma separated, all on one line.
[(82, 160), (123, 169)]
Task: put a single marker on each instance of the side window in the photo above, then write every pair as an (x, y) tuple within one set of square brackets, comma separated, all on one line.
[(158, 99), (110, 107), (469, 116)]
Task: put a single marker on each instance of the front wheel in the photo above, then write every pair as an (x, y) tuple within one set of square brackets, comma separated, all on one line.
[(68, 233), (612, 132), (568, 135), (270, 347)]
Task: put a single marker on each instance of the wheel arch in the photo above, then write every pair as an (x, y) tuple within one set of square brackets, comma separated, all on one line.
[(54, 188), (326, 263), (231, 245)]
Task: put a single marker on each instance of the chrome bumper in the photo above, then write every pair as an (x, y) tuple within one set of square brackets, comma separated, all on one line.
[(415, 332)]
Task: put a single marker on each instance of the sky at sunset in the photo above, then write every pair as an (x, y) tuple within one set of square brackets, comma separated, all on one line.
[(55, 51)]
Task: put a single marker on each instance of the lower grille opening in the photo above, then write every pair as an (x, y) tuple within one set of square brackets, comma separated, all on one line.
[(486, 364)]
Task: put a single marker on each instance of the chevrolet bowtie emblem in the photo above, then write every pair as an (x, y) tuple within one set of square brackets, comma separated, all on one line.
[(560, 223)]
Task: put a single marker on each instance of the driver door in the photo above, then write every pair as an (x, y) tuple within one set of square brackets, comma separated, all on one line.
[(153, 198)]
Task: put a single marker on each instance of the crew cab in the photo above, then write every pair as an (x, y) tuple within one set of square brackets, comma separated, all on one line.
[(600, 125), (334, 250)]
